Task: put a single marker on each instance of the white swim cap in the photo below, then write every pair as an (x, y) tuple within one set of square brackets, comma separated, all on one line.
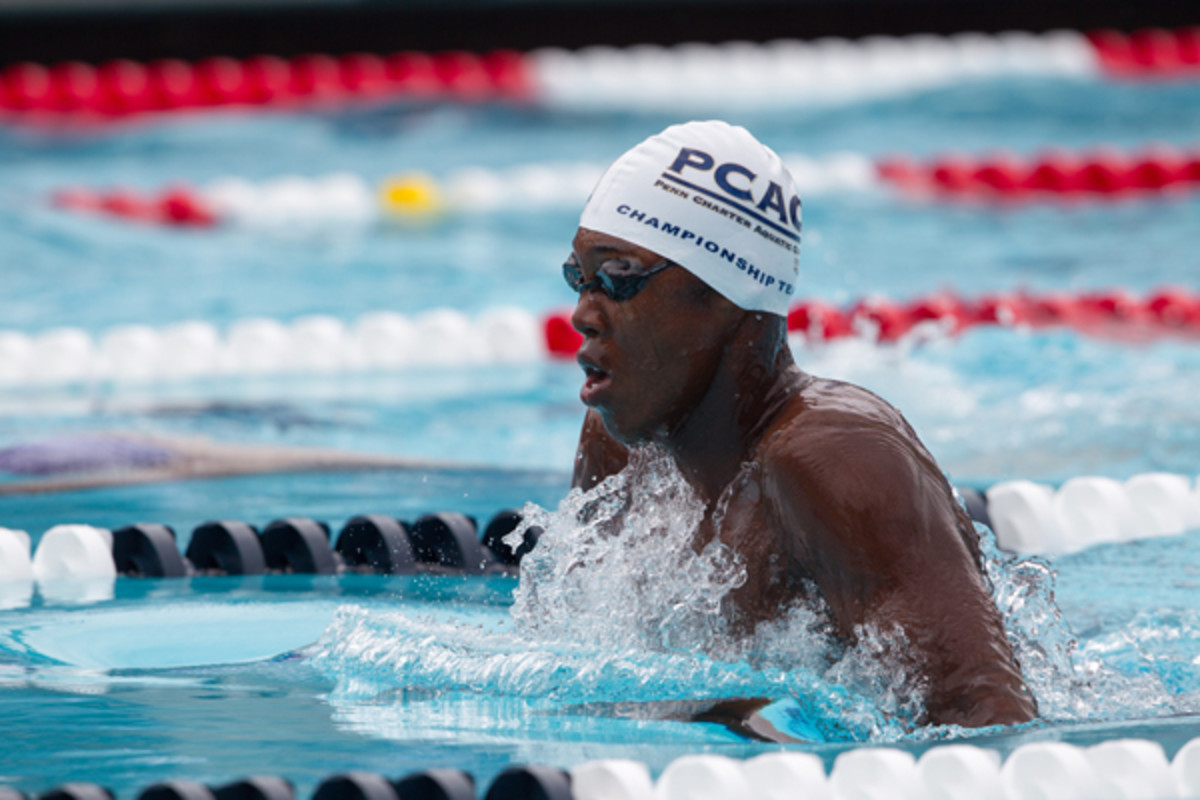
[(713, 199)]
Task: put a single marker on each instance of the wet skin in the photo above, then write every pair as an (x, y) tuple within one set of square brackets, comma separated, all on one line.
[(817, 483)]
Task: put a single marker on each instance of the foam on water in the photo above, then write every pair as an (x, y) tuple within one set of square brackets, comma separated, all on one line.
[(1123, 674), (617, 605), (617, 566)]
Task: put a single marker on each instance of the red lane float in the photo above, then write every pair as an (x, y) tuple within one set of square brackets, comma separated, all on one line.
[(1150, 53), (120, 88), (1104, 172), (1113, 314), (179, 206)]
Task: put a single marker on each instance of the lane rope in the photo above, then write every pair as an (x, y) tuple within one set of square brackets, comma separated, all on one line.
[(384, 341), (447, 542), (1127, 767), (77, 92), (346, 199), (1028, 518), (688, 76)]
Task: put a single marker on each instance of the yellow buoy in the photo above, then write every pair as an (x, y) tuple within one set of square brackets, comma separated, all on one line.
[(413, 197)]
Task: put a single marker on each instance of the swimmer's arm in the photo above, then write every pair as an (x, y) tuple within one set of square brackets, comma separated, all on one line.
[(599, 454), (873, 523)]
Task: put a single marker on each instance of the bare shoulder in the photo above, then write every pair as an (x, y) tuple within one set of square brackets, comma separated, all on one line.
[(829, 427), (849, 478), (865, 513)]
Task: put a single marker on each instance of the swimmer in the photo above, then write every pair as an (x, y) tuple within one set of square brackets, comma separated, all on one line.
[(684, 262), (97, 460)]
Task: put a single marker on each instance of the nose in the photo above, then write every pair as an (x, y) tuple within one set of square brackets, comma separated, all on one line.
[(589, 317)]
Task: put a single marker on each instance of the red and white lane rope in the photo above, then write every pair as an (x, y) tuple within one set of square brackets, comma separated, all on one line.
[(342, 198), (384, 341), (734, 75), (76, 91), (1113, 314)]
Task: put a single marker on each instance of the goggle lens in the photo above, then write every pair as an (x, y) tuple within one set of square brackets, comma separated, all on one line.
[(621, 284)]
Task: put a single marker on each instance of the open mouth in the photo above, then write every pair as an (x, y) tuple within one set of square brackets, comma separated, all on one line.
[(595, 381)]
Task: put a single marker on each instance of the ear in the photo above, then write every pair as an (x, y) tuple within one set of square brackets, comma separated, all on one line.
[(763, 335)]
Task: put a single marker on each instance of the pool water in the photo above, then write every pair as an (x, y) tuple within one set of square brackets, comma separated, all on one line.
[(211, 678)]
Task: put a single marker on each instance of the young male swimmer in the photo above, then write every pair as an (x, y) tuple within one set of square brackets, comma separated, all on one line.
[(685, 261)]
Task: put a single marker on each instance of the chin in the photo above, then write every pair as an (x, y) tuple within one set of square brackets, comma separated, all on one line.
[(628, 432), (618, 429)]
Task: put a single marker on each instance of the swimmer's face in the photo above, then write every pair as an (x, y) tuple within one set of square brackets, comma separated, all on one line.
[(651, 358)]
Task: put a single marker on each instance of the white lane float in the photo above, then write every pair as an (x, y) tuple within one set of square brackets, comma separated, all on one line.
[(1050, 769), (960, 770), (74, 551), (16, 569), (876, 773), (786, 775), (73, 564), (703, 777), (612, 779), (1185, 769), (1132, 769), (1033, 518)]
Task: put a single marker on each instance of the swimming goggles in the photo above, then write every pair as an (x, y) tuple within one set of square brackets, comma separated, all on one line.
[(621, 283)]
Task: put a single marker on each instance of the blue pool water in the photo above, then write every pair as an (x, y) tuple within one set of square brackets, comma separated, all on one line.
[(210, 679)]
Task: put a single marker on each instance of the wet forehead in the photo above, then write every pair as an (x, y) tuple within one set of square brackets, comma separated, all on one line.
[(590, 245)]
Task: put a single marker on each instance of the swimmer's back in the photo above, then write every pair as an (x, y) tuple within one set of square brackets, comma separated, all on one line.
[(833, 439), (864, 513)]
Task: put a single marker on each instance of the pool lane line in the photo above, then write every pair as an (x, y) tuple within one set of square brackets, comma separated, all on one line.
[(386, 341), (1113, 767), (1114, 315), (1002, 179), (75, 93), (1027, 518), (774, 74), (434, 543)]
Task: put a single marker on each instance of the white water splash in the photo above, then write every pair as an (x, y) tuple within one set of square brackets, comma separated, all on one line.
[(617, 605), (617, 566), (1070, 682)]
